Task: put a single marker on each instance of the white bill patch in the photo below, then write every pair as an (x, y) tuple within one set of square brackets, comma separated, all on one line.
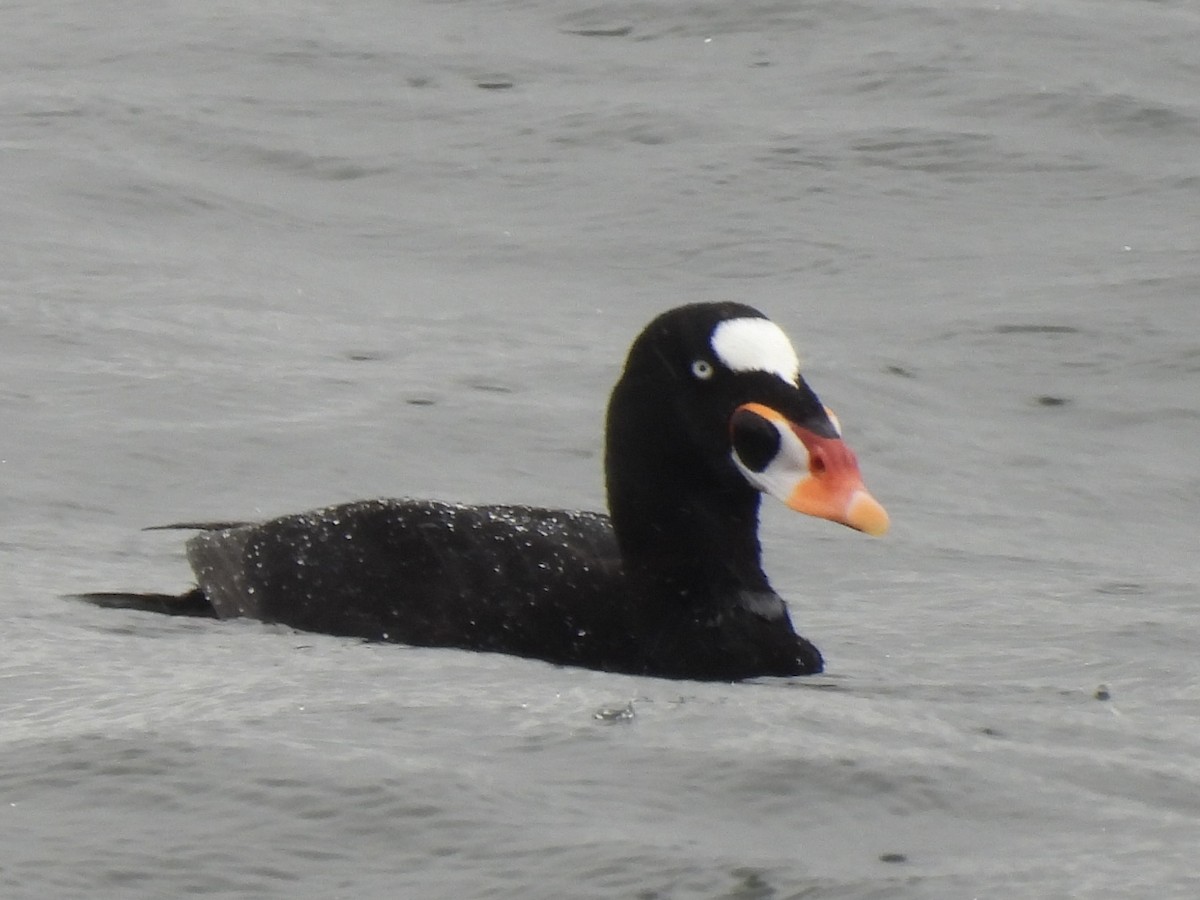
[(755, 345), (784, 472)]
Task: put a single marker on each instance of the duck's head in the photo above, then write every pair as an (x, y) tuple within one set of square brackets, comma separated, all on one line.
[(712, 395)]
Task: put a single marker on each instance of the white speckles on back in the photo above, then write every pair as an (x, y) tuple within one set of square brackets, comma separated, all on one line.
[(755, 345)]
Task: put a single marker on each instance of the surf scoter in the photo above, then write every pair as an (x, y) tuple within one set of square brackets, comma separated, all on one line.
[(710, 411)]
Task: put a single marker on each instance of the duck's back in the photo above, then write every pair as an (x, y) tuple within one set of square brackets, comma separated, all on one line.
[(516, 579)]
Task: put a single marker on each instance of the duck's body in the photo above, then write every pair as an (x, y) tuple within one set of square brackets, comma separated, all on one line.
[(540, 583), (710, 411)]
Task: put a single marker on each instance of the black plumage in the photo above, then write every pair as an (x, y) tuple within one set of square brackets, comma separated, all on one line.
[(671, 585)]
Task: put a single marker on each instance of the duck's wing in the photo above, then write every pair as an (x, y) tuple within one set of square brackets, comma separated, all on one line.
[(197, 526), (515, 579)]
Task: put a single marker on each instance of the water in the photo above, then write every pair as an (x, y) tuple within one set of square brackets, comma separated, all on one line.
[(263, 257)]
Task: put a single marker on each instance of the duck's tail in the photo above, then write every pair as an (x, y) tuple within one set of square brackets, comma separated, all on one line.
[(192, 603)]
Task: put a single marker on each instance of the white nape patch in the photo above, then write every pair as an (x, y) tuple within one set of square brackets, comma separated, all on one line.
[(755, 345)]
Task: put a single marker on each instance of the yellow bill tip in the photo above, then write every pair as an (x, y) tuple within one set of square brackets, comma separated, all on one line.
[(866, 514)]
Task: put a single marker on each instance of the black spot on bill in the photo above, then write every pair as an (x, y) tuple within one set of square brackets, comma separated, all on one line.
[(755, 440)]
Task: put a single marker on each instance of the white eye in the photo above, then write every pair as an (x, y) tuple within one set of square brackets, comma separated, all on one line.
[(702, 369)]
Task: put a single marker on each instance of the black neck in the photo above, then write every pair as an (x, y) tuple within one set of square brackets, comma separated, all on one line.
[(688, 533)]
